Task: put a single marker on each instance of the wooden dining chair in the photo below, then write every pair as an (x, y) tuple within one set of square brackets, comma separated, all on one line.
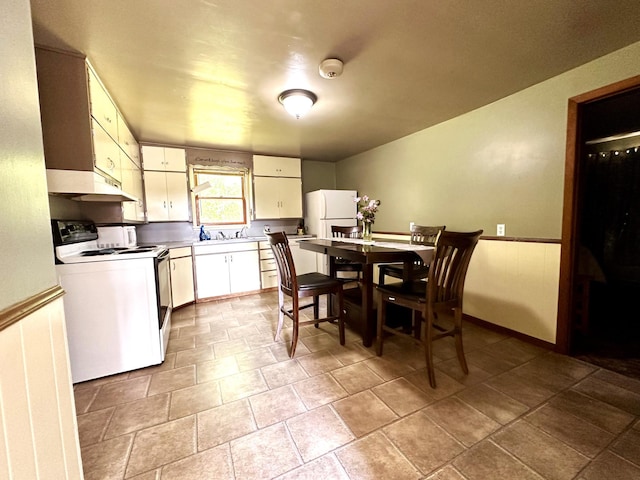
[(342, 264), (439, 298), (420, 235), (302, 286)]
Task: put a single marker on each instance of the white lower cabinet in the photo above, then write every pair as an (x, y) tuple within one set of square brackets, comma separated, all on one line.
[(303, 260), (226, 269), (181, 266)]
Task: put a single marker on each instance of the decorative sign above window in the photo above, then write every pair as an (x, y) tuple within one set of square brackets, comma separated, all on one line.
[(219, 158)]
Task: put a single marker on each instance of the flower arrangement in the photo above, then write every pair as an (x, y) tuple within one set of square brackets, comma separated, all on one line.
[(367, 209)]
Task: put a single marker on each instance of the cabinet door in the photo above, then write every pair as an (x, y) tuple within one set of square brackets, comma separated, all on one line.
[(132, 184), (127, 142), (244, 271), (153, 157), (182, 291), (276, 166), (267, 197), (212, 275), (290, 197), (106, 152), (175, 159), (102, 108), (155, 189), (304, 260), (177, 196)]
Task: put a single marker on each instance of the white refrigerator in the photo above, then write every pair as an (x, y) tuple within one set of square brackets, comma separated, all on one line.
[(324, 208)]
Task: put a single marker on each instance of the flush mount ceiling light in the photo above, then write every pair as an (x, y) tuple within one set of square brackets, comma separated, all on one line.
[(297, 101)]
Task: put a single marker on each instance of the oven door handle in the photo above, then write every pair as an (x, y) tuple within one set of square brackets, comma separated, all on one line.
[(163, 255)]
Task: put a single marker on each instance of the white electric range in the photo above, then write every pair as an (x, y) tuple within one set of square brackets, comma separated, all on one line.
[(117, 302)]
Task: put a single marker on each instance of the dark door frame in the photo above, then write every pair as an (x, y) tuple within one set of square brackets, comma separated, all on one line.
[(571, 209)]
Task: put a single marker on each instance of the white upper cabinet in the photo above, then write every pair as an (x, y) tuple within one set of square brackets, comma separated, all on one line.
[(102, 108), (166, 159), (266, 166)]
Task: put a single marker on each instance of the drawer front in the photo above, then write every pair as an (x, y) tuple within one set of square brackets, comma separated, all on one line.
[(264, 245), (180, 252), (269, 279), (264, 254), (269, 264)]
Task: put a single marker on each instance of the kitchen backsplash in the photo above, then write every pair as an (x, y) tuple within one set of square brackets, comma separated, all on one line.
[(165, 232)]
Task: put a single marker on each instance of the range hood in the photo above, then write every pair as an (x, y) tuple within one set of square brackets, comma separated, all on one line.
[(85, 186)]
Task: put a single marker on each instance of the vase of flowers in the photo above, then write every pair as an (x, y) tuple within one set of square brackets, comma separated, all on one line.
[(367, 209)]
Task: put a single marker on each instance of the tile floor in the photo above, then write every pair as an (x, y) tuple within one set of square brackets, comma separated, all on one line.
[(228, 403)]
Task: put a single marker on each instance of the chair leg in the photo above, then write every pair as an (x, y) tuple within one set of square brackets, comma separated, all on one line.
[(341, 316), (316, 309), (382, 317), (458, 338), (294, 337), (280, 315), (428, 335)]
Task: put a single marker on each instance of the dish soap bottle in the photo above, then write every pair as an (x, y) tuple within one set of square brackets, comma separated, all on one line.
[(203, 236)]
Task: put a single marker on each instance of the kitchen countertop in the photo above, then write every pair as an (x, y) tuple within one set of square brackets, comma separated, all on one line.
[(188, 243)]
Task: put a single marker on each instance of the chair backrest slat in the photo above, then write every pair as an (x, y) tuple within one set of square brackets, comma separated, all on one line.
[(448, 268), (425, 235), (284, 261)]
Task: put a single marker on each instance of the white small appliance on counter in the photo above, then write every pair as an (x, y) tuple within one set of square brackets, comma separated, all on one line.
[(112, 237)]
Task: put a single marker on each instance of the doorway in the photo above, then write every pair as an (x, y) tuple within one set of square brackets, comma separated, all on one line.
[(600, 261)]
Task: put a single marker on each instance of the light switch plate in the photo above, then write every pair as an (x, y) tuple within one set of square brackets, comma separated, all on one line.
[(500, 230)]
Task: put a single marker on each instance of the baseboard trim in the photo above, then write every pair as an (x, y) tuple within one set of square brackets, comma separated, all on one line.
[(17, 312), (507, 331)]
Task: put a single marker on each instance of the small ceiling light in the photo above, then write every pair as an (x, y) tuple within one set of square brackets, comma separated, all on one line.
[(331, 68), (297, 101)]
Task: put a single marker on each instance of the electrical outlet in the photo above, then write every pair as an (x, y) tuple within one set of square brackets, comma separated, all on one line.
[(500, 230), (411, 224)]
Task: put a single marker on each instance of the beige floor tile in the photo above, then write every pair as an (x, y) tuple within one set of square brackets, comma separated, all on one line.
[(107, 460), (612, 394), (319, 342), (446, 473), (230, 347), (163, 444), (213, 337), (318, 432), (387, 368), (150, 475), (319, 390), (277, 455), (195, 355), (486, 460), (318, 362), (488, 362), (92, 425), (356, 378), (283, 373), (120, 392), (282, 349), (137, 415), (224, 423), (574, 431), (466, 424), (179, 344), (611, 467), (543, 453), (242, 331), (255, 359), (213, 463), (373, 458), (276, 405), (445, 385), (627, 383), (260, 340), (401, 396), (172, 380), (196, 398), (350, 353), (628, 446), (216, 369), (364, 412), (194, 330), (524, 389), (494, 404), (598, 413), (453, 369), (84, 397), (423, 442), (242, 385), (327, 467)]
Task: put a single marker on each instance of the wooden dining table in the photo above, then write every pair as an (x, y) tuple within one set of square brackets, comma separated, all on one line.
[(360, 303)]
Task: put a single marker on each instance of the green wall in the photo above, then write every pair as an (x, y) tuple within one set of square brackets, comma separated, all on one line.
[(318, 175), (502, 163), (26, 256)]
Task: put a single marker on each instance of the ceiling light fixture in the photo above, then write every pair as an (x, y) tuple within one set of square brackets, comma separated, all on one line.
[(297, 101)]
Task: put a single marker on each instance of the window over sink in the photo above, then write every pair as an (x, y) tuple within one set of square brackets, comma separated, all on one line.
[(225, 201)]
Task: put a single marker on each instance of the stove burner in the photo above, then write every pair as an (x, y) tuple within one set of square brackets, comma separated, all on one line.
[(115, 251)]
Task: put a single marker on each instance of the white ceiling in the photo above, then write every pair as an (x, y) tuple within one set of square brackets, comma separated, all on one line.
[(208, 73)]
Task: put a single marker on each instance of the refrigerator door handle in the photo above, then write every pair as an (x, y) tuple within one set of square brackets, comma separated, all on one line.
[(323, 206)]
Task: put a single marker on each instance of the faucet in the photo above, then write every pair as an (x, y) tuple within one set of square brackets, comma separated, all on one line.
[(243, 232), (221, 235)]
